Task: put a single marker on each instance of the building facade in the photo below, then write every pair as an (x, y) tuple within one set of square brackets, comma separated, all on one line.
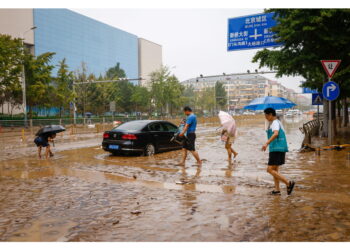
[(80, 39), (240, 88), (150, 59)]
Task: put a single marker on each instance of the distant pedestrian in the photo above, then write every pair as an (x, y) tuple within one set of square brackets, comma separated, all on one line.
[(278, 147), (43, 141), (190, 130)]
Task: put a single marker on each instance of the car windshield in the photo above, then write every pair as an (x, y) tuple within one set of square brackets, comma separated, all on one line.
[(134, 125)]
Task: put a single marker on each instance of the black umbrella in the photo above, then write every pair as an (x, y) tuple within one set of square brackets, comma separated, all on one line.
[(50, 129)]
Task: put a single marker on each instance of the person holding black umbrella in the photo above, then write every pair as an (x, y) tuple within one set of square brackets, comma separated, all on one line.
[(45, 135), (43, 141)]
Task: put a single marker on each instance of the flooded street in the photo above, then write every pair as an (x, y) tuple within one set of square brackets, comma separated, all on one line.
[(85, 194)]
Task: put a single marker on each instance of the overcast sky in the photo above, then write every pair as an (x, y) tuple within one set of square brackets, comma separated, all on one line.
[(193, 40)]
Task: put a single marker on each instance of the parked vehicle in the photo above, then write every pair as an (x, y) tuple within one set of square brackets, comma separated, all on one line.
[(289, 113), (296, 112), (145, 137), (279, 112)]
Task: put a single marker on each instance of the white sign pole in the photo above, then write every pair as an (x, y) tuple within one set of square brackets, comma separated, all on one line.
[(330, 123)]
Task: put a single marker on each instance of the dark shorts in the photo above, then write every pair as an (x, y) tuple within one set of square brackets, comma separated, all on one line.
[(276, 158), (189, 144), (40, 142)]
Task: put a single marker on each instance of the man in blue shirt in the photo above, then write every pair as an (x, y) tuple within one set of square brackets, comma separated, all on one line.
[(190, 129)]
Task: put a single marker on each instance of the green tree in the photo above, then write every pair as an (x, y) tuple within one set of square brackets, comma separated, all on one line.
[(140, 98), (308, 36), (189, 96), (123, 96), (38, 78), (11, 61), (115, 72), (120, 91), (206, 100), (166, 91), (220, 95), (95, 97), (83, 92), (63, 86)]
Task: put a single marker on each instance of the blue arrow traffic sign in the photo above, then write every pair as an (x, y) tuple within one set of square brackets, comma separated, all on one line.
[(330, 91), (317, 99)]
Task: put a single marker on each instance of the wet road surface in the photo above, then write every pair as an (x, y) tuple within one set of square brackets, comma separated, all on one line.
[(84, 194)]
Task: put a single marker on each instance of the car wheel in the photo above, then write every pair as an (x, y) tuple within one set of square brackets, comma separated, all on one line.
[(149, 150)]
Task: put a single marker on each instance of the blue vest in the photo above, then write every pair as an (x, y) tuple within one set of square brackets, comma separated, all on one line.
[(280, 143)]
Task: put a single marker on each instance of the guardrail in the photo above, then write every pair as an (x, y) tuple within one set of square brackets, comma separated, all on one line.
[(16, 129), (310, 129), (63, 121)]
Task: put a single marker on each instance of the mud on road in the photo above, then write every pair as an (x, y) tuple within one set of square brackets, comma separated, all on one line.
[(85, 194)]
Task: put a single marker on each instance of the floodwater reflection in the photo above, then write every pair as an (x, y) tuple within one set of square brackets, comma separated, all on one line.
[(86, 194)]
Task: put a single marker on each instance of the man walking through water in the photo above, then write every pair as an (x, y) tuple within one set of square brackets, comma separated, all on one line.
[(190, 129), (278, 147)]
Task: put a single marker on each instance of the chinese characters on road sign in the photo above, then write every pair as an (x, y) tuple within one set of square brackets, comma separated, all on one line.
[(330, 66), (251, 32)]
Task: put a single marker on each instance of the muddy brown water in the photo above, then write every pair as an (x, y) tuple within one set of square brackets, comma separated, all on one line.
[(85, 194)]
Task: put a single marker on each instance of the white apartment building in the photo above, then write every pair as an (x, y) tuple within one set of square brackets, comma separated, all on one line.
[(241, 88)]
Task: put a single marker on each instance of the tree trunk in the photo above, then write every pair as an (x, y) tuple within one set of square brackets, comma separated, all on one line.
[(30, 112), (346, 117), (334, 120), (345, 120), (12, 106), (325, 118), (339, 118)]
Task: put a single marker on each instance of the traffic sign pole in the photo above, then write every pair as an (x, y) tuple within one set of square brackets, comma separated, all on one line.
[(330, 123), (330, 92)]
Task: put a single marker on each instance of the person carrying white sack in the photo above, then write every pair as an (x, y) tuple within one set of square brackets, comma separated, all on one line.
[(228, 134)]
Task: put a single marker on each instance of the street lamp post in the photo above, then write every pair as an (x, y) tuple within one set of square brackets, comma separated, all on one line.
[(24, 99)]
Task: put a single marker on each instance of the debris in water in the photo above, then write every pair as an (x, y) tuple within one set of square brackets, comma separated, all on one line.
[(115, 222), (181, 182), (136, 212)]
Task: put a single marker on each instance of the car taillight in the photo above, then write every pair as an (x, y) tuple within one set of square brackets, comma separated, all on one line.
[(129, 137), (105, 135)]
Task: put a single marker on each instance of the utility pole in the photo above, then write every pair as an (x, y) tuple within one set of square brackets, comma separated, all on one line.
[(24, 97), (74, 108)]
